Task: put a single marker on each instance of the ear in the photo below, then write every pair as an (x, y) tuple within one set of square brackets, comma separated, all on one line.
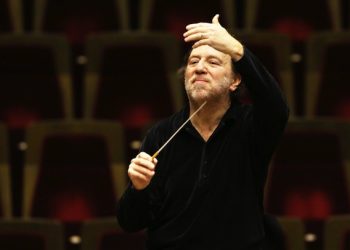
[(235, 82)]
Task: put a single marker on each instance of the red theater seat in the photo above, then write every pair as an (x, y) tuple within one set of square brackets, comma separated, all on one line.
[(17, 234), (35, 85), (73, 171), (288, 17), (173, 16), (77, 20), (132, 78), (80, 18), (327, 89), (105, 234), (308, 177), (274, 51), (35, 76)]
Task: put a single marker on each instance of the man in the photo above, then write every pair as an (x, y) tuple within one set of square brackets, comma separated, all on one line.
[(205, 190)]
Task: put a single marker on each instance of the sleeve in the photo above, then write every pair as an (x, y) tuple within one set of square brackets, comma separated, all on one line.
[(134, 209), (269, 114), (270, 110)]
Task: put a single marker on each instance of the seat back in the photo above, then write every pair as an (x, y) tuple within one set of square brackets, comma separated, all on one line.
[(345, 4), (38, 234), (132, 77), (337, 232), (11, 19), (105, 233), (309, 147), (5, 177), (76, 20), (287, 17), (309, 176), (327, 89), (36, 82), (274, 51), (158, 15), (293, 230), (35, 85), (80, 18), (77, 168)]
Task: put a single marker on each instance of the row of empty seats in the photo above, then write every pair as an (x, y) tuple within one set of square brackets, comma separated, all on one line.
[(38, 84), (67, 67), (38, 81), (68, 16), (105, 234), (79, 19), (120, 83), (310, 175), (74, 171), (45, 234), (76, 20)]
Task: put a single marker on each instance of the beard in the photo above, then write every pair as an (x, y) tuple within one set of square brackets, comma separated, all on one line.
[(208, 90)]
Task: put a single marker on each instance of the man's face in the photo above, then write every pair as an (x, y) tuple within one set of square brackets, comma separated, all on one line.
[(208, 74)]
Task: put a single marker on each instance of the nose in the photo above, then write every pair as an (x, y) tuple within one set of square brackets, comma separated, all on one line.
[(200, 67)]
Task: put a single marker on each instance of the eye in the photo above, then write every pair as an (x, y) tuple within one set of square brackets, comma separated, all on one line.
[(214, 62), (193, 61)]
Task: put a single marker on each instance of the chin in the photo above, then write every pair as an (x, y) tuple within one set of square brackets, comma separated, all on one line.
[(198, 97)]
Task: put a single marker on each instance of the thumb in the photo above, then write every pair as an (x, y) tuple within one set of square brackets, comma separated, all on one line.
[(215, 19)]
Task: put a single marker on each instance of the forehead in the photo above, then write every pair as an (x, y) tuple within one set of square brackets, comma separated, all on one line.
[(208, 51)]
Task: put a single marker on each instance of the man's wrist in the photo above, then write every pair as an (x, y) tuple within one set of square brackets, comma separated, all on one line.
[(238, 52)]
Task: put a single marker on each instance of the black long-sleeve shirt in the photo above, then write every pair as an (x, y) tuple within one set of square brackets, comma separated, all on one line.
[(208, 195)]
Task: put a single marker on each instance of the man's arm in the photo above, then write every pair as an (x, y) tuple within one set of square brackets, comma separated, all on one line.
[(270, 109), (134, 209)]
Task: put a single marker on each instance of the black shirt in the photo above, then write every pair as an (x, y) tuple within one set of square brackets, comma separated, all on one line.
[(209, 195)]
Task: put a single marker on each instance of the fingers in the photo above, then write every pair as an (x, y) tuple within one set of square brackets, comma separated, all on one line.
[(198, 25), (198, 31), (216, 19), (146, 156), (195, 37), (143, 155), (201, 42), (201, 32), (144, 163), (137, 176), (141, 170)]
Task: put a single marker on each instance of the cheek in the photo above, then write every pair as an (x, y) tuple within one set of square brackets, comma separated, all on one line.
[(187, 74)]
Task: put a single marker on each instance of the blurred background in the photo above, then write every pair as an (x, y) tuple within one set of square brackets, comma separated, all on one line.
[(81, 81)]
